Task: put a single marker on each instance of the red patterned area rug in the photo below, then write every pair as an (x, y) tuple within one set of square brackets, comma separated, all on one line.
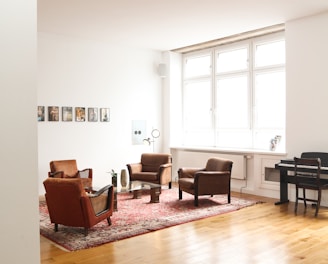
[(139, 216)]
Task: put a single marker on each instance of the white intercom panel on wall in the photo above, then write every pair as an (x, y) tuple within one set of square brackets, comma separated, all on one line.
[(138, 131)]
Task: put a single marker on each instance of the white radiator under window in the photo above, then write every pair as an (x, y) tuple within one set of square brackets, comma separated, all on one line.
[(238, 167)]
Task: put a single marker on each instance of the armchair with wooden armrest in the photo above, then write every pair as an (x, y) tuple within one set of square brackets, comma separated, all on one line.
[(215, 178), (70, 205), (153, 167), (68, 169)]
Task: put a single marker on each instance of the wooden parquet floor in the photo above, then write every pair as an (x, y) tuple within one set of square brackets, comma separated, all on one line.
[(264, 233)]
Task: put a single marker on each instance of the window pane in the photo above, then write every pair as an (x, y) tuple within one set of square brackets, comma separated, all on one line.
[(197, 105), (232, 60), (233, 102), (270, 54), (199, 138), (270, 100), (239, 138), (198, 66)]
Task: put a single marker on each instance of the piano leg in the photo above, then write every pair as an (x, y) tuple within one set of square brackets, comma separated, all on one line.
[(283, 188)]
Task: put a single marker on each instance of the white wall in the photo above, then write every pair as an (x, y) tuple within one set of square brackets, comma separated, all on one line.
[(307, 81), (19, 229), (78, 72), (307, 93)]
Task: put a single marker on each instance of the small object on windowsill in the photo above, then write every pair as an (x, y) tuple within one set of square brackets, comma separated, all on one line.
[(274, 142), (273, 145)]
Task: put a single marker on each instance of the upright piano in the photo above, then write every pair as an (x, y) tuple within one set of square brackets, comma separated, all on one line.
[(288, 165)]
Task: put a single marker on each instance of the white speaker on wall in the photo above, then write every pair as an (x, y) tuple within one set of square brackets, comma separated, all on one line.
[(162, 70)]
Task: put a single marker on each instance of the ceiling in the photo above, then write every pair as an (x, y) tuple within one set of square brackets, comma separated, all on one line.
[(167, 24)]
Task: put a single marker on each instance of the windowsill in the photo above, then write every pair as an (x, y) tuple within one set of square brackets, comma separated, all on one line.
[(229, 150)]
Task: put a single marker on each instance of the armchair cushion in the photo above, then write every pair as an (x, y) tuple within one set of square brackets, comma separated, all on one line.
[(146, 176), (215, 164), (187, 183), (69, 169), (151, 162)]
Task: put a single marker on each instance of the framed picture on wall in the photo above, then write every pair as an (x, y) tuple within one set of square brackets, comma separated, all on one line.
[(92, 114), (67, 113), (41, 113), (79, 114), (104, 114), (53, 113)]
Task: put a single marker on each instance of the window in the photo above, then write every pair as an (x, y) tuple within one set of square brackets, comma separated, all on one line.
[(232, 60), (234, 95), (198, 100), (198, 66)]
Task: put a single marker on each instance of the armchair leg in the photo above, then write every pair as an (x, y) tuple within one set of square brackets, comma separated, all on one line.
[(196, 200), (85, 231), (170, 185), (109, 221), (180, 194), (56, 227)]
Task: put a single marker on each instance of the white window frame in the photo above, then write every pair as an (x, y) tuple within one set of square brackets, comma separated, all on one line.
[(251, 73)]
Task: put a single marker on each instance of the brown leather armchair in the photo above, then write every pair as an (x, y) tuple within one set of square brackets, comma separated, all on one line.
[(213, 179), (69, 204), (68, 169), (153, 167)]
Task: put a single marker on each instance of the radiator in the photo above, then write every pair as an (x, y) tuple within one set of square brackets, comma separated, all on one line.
[(238, 167)]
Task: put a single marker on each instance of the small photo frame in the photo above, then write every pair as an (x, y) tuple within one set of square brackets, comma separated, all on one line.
[(104, 114), (67, 113), (92, 114), (53, 113), (41, 114), (79, 114)]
